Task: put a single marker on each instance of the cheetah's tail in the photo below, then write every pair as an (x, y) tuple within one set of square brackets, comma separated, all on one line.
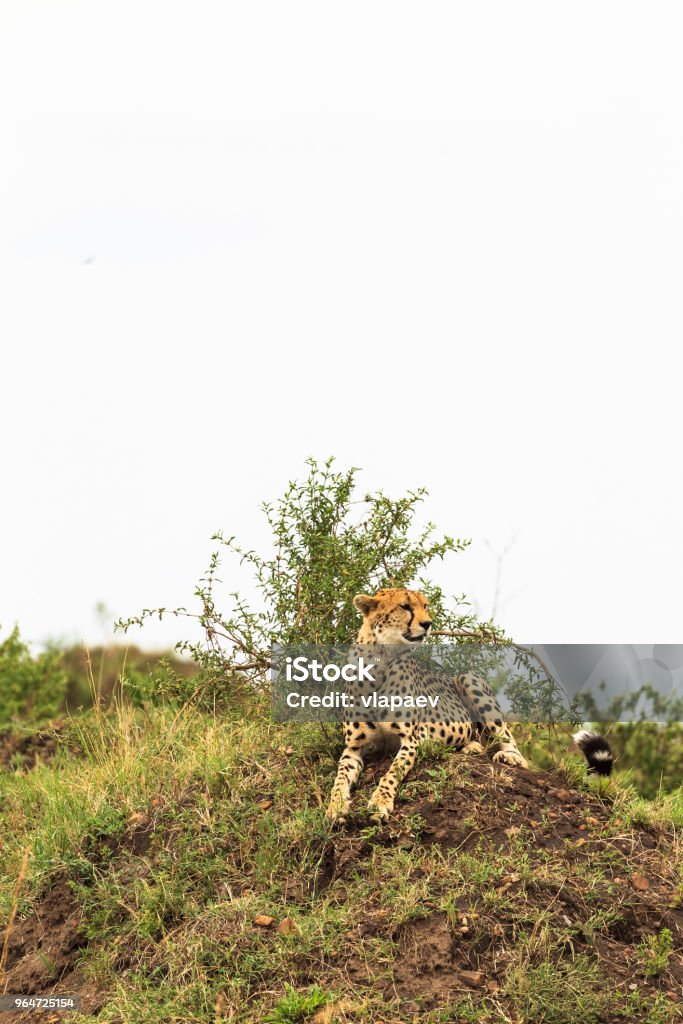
[(596, 750)]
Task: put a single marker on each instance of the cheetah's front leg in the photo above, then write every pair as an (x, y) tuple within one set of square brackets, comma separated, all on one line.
[(348, 772), (382, 800)]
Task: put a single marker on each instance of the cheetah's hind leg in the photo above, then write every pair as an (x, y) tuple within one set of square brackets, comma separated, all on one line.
[(490, 722), (473, 747)]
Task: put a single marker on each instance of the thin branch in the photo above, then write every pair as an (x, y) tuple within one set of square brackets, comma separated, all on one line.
[(489, 637), (499, 556)]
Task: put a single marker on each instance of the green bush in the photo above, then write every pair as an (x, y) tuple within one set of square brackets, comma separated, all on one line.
[(328, 544), (32, 687)]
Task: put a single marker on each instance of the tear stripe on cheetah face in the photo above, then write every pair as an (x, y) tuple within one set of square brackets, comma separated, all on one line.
[(399, 616)]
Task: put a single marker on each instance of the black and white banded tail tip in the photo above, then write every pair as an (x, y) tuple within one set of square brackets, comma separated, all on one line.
[(596, 750)]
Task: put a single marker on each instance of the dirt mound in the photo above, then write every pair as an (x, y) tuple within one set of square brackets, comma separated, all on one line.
[(593, 885), (24, 752), (43, 952), (507, 874)]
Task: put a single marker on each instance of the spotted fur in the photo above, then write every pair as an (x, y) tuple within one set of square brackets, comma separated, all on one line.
[(473, 716)]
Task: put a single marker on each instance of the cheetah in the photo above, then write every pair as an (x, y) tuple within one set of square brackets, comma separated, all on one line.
[(399, 617)]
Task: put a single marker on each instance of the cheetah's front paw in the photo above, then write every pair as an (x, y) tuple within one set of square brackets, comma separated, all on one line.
[(380, 808), (512, 757), (337, 810)]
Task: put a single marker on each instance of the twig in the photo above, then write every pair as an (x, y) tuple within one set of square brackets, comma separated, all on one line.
[(489, 637), (499, 556)]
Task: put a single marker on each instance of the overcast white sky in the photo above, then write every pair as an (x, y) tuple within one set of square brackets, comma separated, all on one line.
[(440, 240)]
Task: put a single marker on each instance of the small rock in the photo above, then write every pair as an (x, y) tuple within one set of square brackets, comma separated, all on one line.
[(474, 979), (265, 804), (263, 921), (492, 986), (593, 821), (640, 882), (633, 987), (580, 842), (286, 926)]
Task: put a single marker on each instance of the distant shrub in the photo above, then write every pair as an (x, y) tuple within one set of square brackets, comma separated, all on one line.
[(114, 671), (652, 754), (32, 687), (647, 736)]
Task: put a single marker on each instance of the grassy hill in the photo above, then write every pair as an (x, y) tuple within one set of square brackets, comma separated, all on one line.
[(173, 866)]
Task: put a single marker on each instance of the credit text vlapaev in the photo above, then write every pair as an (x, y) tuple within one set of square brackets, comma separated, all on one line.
[(339, 699)]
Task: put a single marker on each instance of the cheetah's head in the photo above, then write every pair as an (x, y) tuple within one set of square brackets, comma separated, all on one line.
[(393, 616)]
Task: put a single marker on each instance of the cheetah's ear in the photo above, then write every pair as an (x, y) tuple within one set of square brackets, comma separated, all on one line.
[(365, 604)]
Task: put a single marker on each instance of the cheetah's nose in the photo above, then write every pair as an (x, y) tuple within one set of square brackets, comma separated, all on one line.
[(426, 625)]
